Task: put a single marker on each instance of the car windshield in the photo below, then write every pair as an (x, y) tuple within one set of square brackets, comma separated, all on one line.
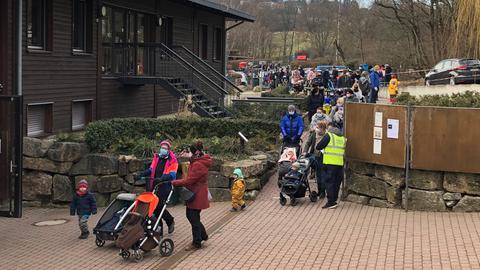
[(470, 62)]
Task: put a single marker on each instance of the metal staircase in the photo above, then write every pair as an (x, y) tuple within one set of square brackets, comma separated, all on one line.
[(183, 78)]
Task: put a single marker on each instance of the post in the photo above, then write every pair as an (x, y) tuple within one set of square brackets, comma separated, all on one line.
[(19, 113), (407, 152), (345, 163)]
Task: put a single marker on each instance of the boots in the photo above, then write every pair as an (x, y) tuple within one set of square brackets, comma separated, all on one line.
[(84, 235)]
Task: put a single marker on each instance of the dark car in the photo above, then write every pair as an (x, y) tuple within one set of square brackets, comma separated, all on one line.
[(454, 71)]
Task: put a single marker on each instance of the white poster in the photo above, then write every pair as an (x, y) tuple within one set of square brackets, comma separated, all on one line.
[(393, 128), (378, 133), (378, 119), (377, 147)]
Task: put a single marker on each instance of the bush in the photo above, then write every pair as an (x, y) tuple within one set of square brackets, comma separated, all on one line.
[(467, 99), (280, 91), (139, 134)]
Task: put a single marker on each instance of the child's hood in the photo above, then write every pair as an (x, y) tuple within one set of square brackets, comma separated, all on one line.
[(238, 172)]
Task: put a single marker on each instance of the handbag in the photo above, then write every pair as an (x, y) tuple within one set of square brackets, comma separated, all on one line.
[(187, 195)]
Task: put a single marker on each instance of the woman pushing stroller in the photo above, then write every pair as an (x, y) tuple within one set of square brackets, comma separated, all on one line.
[(163, 169)]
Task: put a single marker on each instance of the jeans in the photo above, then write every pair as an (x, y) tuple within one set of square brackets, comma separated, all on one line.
[(372, 98), (83, 223), (333, 176), (198, 230), (166, 215), (317, 165)]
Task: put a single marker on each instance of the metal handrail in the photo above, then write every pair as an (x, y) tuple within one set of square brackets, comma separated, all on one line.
[(205, 64)]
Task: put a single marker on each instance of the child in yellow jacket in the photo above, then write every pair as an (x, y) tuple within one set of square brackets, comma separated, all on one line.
[(238, 191), (393, 88)]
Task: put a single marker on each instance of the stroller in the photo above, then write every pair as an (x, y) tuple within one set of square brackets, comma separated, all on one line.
[(288, 155), (297, 186), (136, 228)]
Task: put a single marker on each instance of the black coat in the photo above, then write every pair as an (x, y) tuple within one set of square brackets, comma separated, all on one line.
[(315, 101), (83, 205)]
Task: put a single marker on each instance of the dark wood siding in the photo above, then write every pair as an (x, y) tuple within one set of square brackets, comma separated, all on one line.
[(6, 46), (59, 76)]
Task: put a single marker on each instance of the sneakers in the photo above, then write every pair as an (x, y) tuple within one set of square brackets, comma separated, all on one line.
[(171, 228), (192, 247), (243, 207), (330, 205), (84, 235)]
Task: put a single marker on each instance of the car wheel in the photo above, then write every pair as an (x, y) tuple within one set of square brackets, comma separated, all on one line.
[(427, 82), (452, 81)]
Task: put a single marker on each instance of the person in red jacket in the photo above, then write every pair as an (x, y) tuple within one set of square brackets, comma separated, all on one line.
[(197, 182)]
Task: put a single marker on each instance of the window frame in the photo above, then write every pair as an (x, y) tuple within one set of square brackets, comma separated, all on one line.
[(48, 120), (218, 44), (47, 27), (202, 41), (86, 47), (88, 113)]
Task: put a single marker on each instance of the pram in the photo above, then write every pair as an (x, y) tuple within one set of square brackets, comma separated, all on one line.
[(135, 227), (297, 186), (288, 155)]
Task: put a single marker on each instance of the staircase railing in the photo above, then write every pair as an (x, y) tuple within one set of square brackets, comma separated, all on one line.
[(161, 61), (206, 68)]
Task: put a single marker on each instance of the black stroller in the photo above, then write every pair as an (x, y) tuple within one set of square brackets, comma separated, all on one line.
[(297, 186), (284, 165)]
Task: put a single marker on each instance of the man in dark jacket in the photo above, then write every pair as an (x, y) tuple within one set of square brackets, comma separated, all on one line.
[(333, 144), (314, 100), (291, 127), (84, 205)]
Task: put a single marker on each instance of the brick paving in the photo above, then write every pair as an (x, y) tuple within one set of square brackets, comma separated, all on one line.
[(265, 236)]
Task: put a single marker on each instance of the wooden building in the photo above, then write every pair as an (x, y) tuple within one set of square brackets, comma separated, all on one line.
[(85, 60)]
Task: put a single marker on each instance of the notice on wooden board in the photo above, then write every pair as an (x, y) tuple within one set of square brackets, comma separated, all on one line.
[(377, 147), (378, 133), (378, 119), (393, 128)]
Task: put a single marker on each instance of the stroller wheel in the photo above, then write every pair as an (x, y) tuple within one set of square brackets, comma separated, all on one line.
[(99, 242), (125, 254), (137, 255), (283, 200), (166, 247), (293, 201), (313, 196)]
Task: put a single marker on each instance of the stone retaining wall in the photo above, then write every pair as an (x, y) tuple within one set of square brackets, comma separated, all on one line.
[(384, 186), (52, 169)]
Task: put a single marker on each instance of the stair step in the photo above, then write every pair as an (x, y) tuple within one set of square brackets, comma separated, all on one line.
[(209, 107), (202, 101), (217, 112)]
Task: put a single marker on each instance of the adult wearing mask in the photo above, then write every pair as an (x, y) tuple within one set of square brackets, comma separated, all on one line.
[(315, 100), (163, 169), (350, 97), (364, 83), (316, 156), (333, 144), (291, 127), (375, 84), (358, 94), (196, 182)]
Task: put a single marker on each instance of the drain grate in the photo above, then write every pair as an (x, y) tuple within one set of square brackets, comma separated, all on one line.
[(53, 222)]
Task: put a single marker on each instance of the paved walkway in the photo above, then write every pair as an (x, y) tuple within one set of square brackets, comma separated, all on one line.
[(265, 236)]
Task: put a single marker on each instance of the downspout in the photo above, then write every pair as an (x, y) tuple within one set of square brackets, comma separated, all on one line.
[(19, 112)]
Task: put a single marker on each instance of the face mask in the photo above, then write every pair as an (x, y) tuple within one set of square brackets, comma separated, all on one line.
[(291, 113), (349, 95), (163, 152)]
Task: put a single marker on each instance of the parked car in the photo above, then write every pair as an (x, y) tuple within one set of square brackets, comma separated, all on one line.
[(454, 71)]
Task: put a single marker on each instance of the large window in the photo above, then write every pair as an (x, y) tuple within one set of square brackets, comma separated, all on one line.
[(124, 34), (218, 49), (39, 119), (37, 24), (203, 41), (81, 114), (82, 25)]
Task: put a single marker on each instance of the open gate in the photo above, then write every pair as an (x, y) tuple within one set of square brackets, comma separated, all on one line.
[(11, 156)]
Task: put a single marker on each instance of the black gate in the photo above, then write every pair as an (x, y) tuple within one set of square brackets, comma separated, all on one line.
[(11, 156)]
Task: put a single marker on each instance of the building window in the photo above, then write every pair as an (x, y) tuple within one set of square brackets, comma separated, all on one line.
[(37, 24), (124, 34), (81, 114), (203, 41), (39, 119), (82, 25), (218, 49), (167, 31)]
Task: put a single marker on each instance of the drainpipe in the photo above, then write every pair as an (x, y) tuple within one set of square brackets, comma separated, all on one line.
[(18, 154)]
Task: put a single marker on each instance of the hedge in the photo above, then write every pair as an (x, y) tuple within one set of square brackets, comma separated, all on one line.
[(467, 99), (102, 135)]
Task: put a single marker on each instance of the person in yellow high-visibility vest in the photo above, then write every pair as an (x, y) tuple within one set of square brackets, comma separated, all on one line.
[(333, 146)]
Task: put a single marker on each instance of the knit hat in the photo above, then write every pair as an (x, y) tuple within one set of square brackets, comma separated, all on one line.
[(167, 143), (82, 183), (198, 146), (238, 172)]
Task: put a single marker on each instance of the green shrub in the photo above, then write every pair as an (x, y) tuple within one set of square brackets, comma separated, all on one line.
[(123, 135), (280, 91), (467, 99)]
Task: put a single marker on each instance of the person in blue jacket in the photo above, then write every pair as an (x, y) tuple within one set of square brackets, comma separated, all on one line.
[(374, 84), (291, 126), (84, 205)]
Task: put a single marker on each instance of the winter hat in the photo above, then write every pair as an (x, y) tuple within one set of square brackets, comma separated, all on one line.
[(238, 172), (167, 143), (198, 146), (82, 183)]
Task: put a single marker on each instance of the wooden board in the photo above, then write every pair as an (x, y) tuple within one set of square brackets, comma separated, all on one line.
[(359, 125), (446, 139)]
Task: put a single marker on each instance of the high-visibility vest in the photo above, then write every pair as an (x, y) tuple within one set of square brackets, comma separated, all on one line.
[(335, 150)]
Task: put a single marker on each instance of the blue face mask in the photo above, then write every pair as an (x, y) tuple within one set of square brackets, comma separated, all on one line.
[(163, 152)]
